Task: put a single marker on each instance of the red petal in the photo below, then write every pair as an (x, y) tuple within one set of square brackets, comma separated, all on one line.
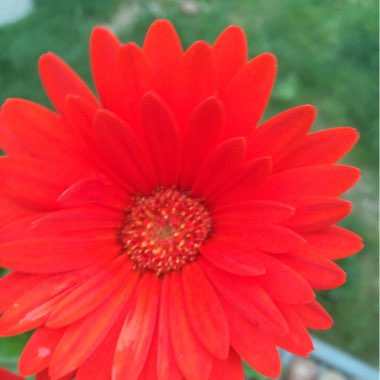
[(163, 50), (321, 180), (232, 259), (333, 242), (193, 360), (247, 297), (166, 364), (230, 54), (43, 184), (78, 116), (133, 78), (39, 131), (37, 353), (104, 47), (314, 213), (193, 82), (71, 222), (320, 272), (126, 158), (7, 375), (137, 332), (267, 237), (313, 315), (322, 147), (9, 142), (94, 191), (99, 365), (60, 80), (14, 285), (33, 307), (49, 255), (149, 371), (278, 135), (91, 294), (205, 311), (162, 138), (25, 321), (254, 211), (297, 340), (247, 94), (255, 347), (84, 336), (244, 184), (284, 284), (228, 369), (221, 164), (198, 140)]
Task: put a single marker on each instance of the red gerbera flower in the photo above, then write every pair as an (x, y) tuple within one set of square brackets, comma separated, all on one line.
[(157, 232)]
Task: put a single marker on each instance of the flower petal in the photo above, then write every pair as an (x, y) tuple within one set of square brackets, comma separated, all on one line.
[(7, 375), (84, 336), (60, 80), (50, 255), (205, 311), (163, 50), (248, 297), (320, 180), (255, 347), (322, 147), (267, 237), (98, 366), (333, 242), (247, 94), (126, 158), (230, 54), (278, 135), (313, 315), (201, 135), (137, 332), (9, 142), (37, 352), (14, 285), (149, 371), (259, 211), (320, 272), (297, 340), (91, 294), (227, 369), (39, 131), (193, 360), (283, 283), (193, 82), (313, 213), (35, 303), (167, 367), (222, 162), (232, 259), (104, 48), (70, 222), (133, 79), (162, 138), (245, 183), (43, 185)]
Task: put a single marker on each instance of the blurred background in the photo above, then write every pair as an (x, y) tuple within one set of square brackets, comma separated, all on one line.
[(328, 56)]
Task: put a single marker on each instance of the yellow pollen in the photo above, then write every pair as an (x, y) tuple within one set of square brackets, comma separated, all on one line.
[(163, 231)]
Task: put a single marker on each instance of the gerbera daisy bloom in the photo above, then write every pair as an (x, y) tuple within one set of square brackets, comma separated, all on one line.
[(157, 231)]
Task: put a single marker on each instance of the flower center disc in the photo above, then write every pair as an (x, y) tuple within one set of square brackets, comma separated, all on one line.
[(163, 231)]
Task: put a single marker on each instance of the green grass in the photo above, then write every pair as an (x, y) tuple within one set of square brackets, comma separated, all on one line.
[(327, 52)]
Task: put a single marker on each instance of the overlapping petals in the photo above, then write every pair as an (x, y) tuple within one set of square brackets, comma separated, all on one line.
[(165, 118)]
